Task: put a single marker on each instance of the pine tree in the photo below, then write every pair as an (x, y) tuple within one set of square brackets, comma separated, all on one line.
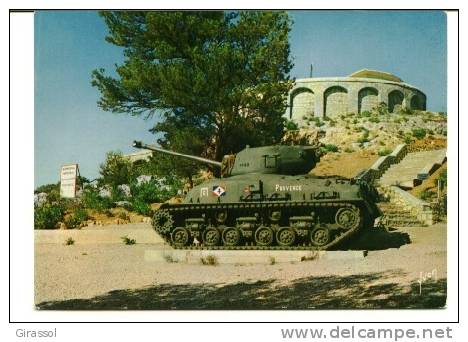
[(214, 81)]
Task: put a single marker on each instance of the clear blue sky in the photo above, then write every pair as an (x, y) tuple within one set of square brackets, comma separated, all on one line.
[(70, 127)]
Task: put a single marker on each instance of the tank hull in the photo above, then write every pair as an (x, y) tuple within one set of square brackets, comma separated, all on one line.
[(259, 211)]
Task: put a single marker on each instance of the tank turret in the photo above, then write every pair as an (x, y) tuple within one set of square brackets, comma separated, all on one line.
[(276, 159)]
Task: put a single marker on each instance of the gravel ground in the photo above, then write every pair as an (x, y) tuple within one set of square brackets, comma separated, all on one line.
[(111, 275)]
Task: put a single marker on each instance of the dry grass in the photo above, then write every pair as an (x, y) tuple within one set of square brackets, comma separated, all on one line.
[(209, 260), (345, 165), (429, 184)]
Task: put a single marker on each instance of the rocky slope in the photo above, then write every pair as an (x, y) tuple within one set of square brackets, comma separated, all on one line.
[(352, 142)]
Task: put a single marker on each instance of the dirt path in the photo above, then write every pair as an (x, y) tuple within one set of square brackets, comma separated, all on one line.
[(116, 276)]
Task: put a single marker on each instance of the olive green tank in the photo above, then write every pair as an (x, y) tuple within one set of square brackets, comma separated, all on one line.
[(266, 200)]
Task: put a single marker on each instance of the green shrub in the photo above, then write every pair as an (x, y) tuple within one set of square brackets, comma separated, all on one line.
[(318, 122), (117, 195), (384, 152), (141, 208), (382, 108), (48, 215), (443, 176), (71, 204), (348, 150), (419, 133), (364, 137), (366, 114), (128, 241), (331, 148), (69, 241), (148, 192), (424, 195), (92, 200), (155, 190), (290, 125), (79, 216), (128, 206), (374, 119), (47, 188), (406, 111), (115, 170), (362, 140), (408, 138)]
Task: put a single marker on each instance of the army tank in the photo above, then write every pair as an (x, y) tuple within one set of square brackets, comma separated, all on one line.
[(265, 199)]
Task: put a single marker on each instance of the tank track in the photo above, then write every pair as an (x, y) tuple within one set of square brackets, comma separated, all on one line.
[(179, 213)]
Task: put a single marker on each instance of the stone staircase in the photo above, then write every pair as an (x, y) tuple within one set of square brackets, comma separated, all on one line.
[(401, 208), (414, 167)]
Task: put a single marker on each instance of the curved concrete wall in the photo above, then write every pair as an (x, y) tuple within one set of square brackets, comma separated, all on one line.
[(339, 95)]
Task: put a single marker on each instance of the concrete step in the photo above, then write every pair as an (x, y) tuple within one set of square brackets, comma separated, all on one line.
[(396, 216), (393, 212), (402, 222), (400, 217), (389, 206)]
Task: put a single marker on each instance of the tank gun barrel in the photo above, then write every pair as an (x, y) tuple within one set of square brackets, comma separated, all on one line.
[(139, 144)]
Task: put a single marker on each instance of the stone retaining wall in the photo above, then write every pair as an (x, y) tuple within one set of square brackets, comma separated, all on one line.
[(382, 164), (418, 208), (427, 170)]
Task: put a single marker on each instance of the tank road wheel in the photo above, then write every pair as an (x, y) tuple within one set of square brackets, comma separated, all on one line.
[(264, 236), (180, 237), (285, 236), (162, 221), (320, 236), (231, 236), (347, 218), (211, 236)]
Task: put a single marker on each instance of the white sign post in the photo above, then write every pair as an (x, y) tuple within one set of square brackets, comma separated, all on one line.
[(68, 176)]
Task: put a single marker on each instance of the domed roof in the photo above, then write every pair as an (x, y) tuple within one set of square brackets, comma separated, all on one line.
[(366, 73)]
